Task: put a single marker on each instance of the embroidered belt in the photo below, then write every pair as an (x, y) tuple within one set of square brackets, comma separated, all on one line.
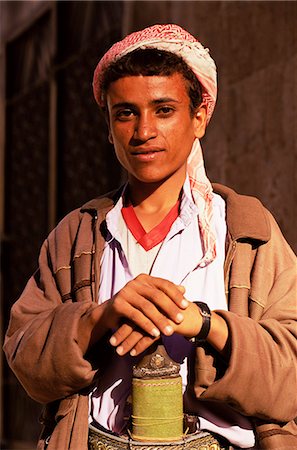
[(101, 440)]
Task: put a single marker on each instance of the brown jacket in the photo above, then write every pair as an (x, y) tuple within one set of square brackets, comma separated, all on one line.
[(42, 341)]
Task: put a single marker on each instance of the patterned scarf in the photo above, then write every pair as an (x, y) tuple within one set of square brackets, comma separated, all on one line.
[(174, 39)]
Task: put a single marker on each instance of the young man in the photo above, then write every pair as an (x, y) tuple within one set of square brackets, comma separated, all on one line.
[(126, 269)]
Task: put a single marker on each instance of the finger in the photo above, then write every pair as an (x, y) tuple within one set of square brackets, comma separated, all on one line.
[(129, 304), (164, 304), (181, 288), (144, 343), (173, 291), (140, 308), (121, 334), (130, 342), (148, 313)]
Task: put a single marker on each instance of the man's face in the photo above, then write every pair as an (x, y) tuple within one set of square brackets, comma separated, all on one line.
[(151, 127)]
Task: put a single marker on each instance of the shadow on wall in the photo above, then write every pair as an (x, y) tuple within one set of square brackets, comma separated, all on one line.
[(57, 152)]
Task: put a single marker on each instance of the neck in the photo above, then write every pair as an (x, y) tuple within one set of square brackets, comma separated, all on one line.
[(155, 196), (153, 201)]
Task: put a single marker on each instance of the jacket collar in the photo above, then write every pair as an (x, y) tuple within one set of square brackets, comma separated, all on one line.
[(246, 216), (104, 202)]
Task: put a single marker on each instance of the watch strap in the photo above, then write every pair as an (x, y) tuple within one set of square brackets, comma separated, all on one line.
[(206, 322)]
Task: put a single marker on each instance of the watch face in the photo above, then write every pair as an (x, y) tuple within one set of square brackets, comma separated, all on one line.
[(204, 309)]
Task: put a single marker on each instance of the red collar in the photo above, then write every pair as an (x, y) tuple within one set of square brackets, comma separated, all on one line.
[(154, 236)]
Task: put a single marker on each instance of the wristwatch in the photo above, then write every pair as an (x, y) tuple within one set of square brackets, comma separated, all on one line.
[(206, 318)]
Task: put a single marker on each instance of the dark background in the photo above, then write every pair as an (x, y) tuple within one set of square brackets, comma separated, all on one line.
[(53, 142)]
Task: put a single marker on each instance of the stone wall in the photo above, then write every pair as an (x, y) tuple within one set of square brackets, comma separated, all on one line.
[(251, 140)]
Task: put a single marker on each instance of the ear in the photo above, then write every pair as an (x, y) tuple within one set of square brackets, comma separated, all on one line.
[(200, 118), (110, 138)]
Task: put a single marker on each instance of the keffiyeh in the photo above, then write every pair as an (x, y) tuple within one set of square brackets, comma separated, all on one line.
[(173, 38)]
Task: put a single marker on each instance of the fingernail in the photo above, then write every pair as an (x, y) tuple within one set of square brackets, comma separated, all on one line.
[(155, 332), (179, 317), (168, 330), (185, 303), (112, 340), (120, 350), (133, 352)]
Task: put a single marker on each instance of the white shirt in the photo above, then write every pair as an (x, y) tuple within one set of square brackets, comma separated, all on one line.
[(175, 259)]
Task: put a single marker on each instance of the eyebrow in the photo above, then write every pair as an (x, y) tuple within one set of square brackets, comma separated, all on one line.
[(164, 100), (157, 101), (122, 105)]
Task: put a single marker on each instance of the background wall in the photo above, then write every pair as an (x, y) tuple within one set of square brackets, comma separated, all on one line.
[(251, 140), (53, 141)]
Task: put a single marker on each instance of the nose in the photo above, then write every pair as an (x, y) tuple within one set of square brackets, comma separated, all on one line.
[(145, 128)]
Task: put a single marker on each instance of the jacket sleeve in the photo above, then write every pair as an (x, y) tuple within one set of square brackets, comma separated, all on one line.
[(42, 342), (260, 379)]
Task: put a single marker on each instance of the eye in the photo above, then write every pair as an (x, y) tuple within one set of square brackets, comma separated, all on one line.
[(165, 110), (125, 114)]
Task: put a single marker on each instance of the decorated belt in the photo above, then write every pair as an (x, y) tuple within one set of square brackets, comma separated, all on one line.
[(102, 440)]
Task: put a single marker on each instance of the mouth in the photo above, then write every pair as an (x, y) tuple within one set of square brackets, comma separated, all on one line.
[(147, 154), (146, 151)]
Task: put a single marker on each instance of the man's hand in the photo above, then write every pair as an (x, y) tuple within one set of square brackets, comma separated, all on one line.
[(149, 304), (129, 338)]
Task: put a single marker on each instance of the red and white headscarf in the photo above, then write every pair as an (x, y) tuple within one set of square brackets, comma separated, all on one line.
[(174, 39)]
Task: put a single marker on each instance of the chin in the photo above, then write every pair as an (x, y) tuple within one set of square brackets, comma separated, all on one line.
[(153, 178)]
